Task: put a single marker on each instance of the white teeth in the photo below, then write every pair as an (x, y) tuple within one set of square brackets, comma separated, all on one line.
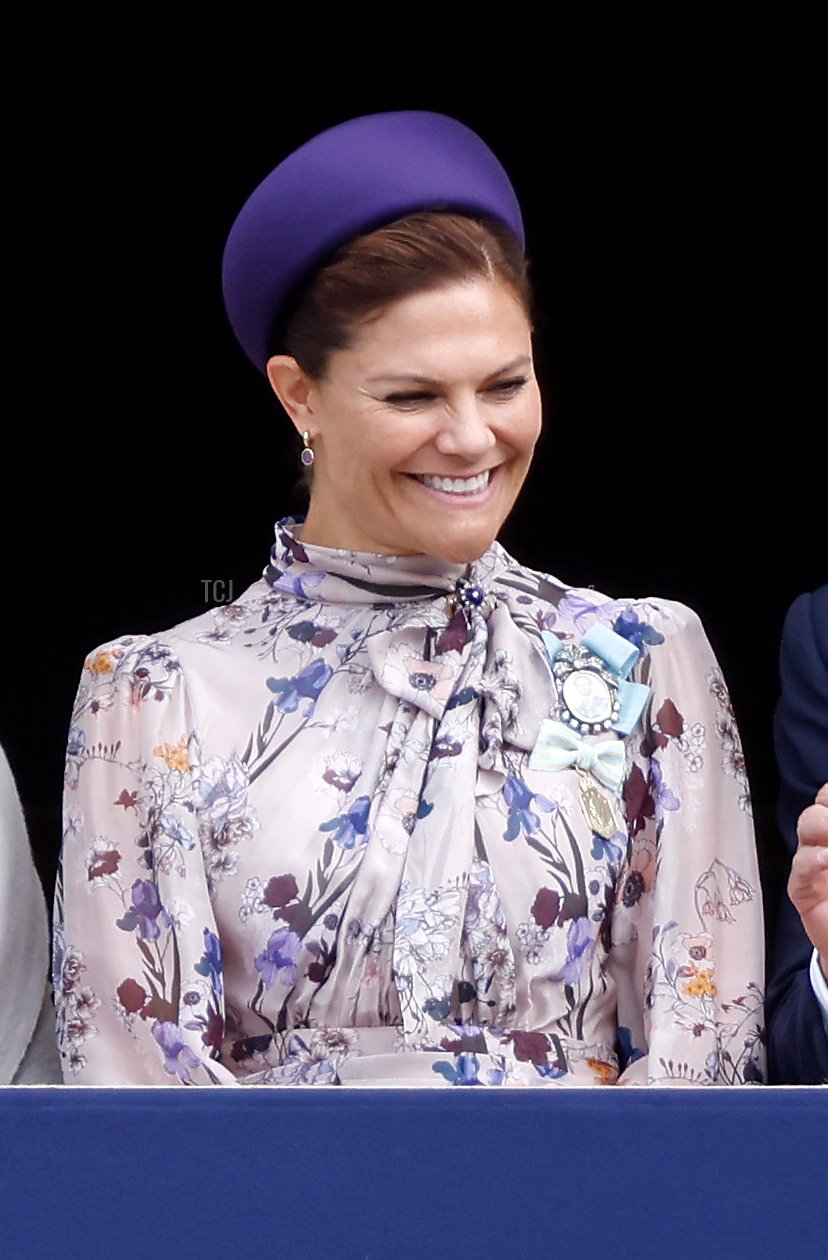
[(457, 485)]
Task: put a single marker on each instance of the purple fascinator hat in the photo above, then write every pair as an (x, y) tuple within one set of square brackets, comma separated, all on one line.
[(345, 182)]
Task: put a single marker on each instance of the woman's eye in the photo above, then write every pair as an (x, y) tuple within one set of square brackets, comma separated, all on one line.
[(507, 388), (421, 398), (408, 400)]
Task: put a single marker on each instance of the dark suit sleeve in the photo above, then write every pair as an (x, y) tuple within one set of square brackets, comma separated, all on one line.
[(797, 1039)]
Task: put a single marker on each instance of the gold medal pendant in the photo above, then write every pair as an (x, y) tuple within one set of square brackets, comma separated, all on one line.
[(597, 810)]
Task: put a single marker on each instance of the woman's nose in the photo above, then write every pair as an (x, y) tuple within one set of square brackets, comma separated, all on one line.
[(465, 431)]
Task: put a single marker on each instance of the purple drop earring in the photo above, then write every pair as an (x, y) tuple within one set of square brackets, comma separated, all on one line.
[(306, 456)]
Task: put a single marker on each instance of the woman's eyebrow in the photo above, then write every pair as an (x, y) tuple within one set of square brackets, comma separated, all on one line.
[(514, 365), (402, 376), (522, 361)]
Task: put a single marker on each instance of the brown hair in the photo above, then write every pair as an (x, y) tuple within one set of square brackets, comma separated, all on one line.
[(419, 252)]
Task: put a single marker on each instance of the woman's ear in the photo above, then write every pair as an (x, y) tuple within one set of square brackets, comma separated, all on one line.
[(292, 386)]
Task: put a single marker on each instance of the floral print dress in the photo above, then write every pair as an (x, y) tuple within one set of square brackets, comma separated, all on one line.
[(392, 821)]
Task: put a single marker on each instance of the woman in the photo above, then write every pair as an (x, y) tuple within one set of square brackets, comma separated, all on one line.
[(406, 812)]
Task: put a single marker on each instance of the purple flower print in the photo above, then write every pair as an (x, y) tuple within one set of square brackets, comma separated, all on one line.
[(464, 696), (519, 801), (663, 797), (277, 961), (612, 850), (629, 625), (145, 912), (212, 953), (464, 1071), (211, 964), (468, 1066), (545, 619), (627, 1052), (551, 1071), (178, 1057), (76, 742), (306, 685), (300, 587), (351, 828), (579, 947)]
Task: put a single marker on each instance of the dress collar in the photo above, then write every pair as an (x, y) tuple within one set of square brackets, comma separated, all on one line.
[(333, 575)]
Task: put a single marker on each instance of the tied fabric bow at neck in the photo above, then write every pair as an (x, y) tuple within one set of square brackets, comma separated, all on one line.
[(455, 681)]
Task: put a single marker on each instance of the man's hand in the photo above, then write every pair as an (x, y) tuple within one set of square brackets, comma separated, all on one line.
[(808, 882)]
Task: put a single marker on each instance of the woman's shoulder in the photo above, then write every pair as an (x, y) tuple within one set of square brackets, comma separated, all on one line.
[(644, 619), (214, 628), (665, 615)]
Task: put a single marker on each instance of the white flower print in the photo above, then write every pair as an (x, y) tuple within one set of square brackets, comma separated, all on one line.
[(341, 771), (733, 759), (692, 744), (425, 927), (72, 824), (252, 899), (76, 1005), (532, 939), (344, 720), (719, 888), (102, 862), (221, 789), (181, 913)]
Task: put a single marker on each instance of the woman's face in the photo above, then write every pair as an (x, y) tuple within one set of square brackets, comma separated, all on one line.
[(423, 430)]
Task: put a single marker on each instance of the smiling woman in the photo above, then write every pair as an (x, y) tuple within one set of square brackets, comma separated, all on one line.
[(406, 812)]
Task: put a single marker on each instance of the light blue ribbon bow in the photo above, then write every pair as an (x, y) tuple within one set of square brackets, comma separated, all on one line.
[(558, 747)]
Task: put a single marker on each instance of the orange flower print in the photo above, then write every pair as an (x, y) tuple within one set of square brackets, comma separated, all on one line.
[(700, 983), (102, 662), (175, 755), (605, 1073)]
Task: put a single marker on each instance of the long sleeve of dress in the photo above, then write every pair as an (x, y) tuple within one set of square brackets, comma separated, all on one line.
[(688, 930), (137, 962)]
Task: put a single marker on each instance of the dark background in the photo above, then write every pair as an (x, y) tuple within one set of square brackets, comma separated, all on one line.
[(671, 226)]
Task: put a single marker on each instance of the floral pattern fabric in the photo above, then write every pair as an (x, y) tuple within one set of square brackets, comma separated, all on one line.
[(304, 844)]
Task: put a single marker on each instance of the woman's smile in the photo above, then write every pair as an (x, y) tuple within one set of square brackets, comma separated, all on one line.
[(455, 485)]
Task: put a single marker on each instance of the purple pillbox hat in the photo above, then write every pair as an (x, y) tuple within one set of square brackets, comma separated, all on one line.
[(344, 182)]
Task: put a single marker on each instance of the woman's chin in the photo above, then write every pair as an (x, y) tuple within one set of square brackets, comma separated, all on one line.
[(461, 551)]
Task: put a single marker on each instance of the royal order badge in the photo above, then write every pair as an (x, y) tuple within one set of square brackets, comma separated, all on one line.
[(588, 692)]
